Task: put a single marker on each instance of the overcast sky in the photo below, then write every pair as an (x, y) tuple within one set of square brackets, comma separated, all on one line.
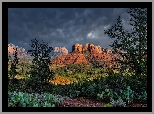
[(63, 27)]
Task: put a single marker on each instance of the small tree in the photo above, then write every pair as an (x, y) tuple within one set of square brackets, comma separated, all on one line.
[(40, 71), (14, 64), (133, 42)]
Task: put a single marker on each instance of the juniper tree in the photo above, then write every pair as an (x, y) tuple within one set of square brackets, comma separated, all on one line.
[(40, 71), (14, 64), (133, 42)]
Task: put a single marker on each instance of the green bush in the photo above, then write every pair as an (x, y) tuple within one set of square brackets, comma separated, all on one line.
[(106, 95), (127, 95), (118, 103), (137, 83), (83, 89), (129, 88), (120, 84), (108, 105), (115, 81), (20, 99), (141, 97)]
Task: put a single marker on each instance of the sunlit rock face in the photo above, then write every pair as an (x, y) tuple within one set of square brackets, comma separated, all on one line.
[(72, 58), (21, 52), (87, 54), (91, 48), (77, 48), (61, 50)]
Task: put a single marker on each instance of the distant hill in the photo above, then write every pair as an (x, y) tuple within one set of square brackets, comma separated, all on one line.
[(58, 51), (21, 51)]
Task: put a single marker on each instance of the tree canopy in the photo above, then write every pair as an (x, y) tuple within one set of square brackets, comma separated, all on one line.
[(133, 42)]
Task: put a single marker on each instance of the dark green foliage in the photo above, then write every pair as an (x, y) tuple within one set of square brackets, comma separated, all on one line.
[(133, 42), (135, 92), (121, 85), (115, 81), (14, 64), (141, 97), (137, 83), (79, 68), (114, 86), (40, 72), (127, 95), (106, 95)]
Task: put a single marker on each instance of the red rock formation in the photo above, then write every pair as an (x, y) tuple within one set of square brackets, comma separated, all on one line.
[(61, 50), (77, 48), (95, 49), (71, 59), (92, 49), (108, 51), (21, 51), (88, 55), (87, 46), (10, 50)]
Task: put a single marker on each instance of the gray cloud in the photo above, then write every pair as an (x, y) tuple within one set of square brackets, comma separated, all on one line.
[(62, 27)]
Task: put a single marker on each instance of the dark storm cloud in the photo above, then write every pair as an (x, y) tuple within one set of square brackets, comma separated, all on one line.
[(62, 26)]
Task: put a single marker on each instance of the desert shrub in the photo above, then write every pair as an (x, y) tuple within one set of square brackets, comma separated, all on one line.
[(82, 88), (70, 90), (106, 95), (20, 99), (127, 95), (88, 89), (137, 83), (118, 103), (15, 85), (112, 86), (116, 81), (140, 97)]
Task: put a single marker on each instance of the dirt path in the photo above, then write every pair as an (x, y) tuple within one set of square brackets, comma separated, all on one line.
[(81, 102), (85, 102)]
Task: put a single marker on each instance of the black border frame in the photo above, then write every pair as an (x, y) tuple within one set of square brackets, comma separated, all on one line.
[(6, 5)]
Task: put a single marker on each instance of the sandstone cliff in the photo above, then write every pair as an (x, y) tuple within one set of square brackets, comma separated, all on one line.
[(61, 50), (77, 48), (21, 51), (89, 54), (71, 58)]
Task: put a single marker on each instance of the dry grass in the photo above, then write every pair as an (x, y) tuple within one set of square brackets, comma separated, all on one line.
[(58, 80)]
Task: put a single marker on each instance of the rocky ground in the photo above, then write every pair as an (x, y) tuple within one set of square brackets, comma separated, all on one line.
[(81, 102), (85, 102)]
